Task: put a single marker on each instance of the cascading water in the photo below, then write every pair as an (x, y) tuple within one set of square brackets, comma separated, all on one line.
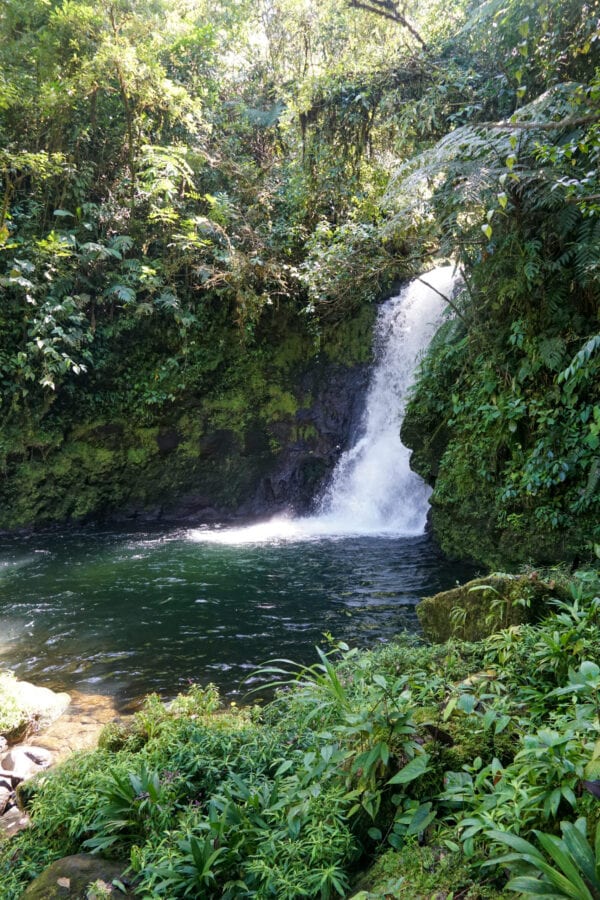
[(373, 490)]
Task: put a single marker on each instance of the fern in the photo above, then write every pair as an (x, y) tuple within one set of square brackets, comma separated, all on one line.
[(121, 242), (552, 353), (122, 292), (466, 167), (587, 252), (566, 219)]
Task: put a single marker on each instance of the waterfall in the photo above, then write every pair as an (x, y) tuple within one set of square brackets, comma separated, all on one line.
[(373, 490)]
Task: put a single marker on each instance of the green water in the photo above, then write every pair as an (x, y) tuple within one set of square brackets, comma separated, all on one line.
[(128, 613)]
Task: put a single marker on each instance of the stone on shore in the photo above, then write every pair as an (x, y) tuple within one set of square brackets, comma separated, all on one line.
[(26, 708), (13, 821), (74, 876), (22, 761)]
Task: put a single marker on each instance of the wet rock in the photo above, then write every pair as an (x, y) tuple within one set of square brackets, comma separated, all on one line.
[(23, 761), (35, 707), (79, 727), (480, 607), (13, 821), (7, 796), (17, 766), (219, 443), (109, 436), (73, 876), (168, 440), (313, 440)]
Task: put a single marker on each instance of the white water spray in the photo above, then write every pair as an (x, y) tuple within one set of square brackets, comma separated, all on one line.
[(373, 490)]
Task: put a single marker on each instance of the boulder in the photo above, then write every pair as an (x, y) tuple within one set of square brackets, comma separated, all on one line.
[(7, 796), (17, 766), (79, 727), (13, 821), (74, 877), (22, 761), (31, 707), (480, 607)]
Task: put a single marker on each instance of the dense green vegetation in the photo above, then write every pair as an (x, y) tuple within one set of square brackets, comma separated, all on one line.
[(201, 200), (151, 257), (200, 203), (429, 758), (506, 414)]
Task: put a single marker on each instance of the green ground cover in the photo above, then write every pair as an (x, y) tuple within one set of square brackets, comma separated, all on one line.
[(403, 772)]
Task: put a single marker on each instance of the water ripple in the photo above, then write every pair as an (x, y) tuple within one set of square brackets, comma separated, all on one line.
[(89, 608)]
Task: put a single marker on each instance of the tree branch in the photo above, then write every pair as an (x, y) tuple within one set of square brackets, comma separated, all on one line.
[(450, 302), (583, 199), (388, 10)]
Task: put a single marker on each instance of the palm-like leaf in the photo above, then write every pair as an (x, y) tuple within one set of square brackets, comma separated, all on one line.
[(576, 870)]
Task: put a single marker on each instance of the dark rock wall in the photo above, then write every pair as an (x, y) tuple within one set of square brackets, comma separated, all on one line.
[(263, 438)]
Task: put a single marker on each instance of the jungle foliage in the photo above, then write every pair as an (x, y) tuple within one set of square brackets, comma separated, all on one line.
[(431, 759), (182, 183)]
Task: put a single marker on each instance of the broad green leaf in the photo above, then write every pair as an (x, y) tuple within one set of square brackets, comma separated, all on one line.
[(517, 843), (450, 707), (534, 886), (467, 703), (501, 724), (573, 884), (412, 770), (581, 852), (124, 293), (422, 818)]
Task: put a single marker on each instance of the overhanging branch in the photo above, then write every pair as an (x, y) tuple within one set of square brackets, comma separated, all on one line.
[(444, 297), (388, 10)]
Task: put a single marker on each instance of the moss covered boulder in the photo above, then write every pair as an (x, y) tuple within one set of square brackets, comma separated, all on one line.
[(26, 708), (480, 607), (82, 876)]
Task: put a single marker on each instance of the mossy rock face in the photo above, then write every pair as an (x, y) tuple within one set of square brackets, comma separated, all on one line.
[(427, 872), (466, 527), (27, 790), (261, 437), (480, 607), (427, 437), (73, 877)]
